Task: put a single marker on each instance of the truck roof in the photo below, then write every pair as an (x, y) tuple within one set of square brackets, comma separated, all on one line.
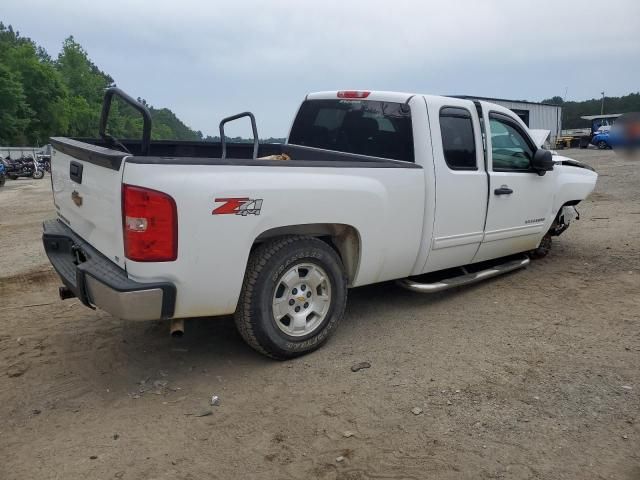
[(383, 96), (399, 97)]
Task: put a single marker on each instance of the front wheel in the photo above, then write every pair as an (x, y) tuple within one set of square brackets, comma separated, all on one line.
[(602, 145), (543, 249), (293, 296), (38, 174)]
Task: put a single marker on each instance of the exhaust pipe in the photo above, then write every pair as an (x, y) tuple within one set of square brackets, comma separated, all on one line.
[(177, 328)]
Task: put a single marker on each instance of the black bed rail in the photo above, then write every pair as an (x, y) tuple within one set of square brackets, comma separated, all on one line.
[(144, 111), (223, 140)]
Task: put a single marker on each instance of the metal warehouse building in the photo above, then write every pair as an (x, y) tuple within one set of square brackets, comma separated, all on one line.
[(543, 116)]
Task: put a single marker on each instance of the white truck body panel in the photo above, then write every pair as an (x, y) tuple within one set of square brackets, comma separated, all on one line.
[(213, 250)]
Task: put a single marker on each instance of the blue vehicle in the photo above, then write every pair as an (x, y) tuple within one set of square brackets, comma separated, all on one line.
[(3, 176), (603, 140), (625, 133)]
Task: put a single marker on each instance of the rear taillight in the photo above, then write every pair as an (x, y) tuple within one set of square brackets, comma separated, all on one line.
[(353, 94), (150, 223)]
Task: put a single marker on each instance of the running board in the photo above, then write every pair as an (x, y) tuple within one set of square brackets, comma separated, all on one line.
[(467, 279)]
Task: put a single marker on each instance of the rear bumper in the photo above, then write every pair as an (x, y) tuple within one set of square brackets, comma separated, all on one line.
[(98, 282)]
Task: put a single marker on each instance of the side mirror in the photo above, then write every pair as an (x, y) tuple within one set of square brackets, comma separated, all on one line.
[(542, 161)]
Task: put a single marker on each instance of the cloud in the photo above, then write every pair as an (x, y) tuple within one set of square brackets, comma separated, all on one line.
[(205, 60)]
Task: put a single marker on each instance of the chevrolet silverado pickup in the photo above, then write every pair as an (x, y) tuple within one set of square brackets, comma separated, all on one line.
[(431, 191)]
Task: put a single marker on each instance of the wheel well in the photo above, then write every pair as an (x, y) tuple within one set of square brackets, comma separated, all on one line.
[(556, 228), (344, 239)]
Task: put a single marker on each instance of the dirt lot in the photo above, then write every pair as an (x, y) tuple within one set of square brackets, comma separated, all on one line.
[(532, 375)]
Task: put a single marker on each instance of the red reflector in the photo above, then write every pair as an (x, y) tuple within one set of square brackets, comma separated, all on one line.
[(150, 224), (353, 94)]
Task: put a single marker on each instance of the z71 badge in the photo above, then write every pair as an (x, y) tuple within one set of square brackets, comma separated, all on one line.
[(238, 206)]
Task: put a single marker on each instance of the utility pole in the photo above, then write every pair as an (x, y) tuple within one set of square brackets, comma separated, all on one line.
[(602, 104)]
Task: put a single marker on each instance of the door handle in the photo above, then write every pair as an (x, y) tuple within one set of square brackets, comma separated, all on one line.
[(75, 172), (503, 190)]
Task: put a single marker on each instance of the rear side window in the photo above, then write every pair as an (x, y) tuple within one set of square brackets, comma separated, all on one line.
[(364, 127), (458, 142)]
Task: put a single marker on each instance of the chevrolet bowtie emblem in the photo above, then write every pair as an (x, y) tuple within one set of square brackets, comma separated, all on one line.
[(300, 299), (77, 199)]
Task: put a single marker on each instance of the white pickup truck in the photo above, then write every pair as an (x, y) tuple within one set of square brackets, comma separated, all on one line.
[(431, 191)]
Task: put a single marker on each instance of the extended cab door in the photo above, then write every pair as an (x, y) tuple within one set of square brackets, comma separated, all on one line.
[(520, 200), (460, 182)]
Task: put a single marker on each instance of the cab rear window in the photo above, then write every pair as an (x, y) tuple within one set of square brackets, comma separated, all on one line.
[(364, 127)]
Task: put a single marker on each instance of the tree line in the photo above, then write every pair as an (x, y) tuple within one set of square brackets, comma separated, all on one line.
[(41, 97)]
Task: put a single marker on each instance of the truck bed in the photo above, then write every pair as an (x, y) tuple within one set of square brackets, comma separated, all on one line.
[(209, 153)]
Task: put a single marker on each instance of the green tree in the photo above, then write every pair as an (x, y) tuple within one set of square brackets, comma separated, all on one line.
[(82, 77), (44, 93), (557, 100), (41, 88), (85, 84), (14, 111), (82, 118)]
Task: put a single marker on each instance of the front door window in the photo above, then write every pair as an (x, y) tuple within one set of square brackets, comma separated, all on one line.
[(510, 150)]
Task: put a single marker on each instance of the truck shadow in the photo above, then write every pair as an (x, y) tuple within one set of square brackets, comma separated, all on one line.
[(217, 338), (213, 342), (141, 354)]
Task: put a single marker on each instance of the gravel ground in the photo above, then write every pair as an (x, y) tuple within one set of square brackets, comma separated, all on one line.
[(535, 374)]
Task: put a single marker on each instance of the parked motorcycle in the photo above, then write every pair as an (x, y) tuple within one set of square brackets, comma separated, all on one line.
[(44, 162), (22, 167)]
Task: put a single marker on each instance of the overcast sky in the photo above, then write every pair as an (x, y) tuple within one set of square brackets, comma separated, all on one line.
[(206, 59)]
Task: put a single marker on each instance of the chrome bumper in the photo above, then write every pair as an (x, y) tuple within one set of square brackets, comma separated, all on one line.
[(132, 305), (98, 282)]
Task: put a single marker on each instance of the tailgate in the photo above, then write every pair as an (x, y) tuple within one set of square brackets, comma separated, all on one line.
[(87, 182)]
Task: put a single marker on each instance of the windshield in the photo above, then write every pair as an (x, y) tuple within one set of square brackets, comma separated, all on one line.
[(365, 127)]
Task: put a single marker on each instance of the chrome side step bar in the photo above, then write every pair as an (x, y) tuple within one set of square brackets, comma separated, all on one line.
[(467, 279)]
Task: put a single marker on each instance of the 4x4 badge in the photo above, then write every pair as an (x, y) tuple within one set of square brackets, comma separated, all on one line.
[(238, 206)]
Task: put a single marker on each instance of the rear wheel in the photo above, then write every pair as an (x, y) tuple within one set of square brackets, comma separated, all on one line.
[(2, 180), (293, 296), (12, 177)]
